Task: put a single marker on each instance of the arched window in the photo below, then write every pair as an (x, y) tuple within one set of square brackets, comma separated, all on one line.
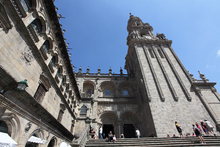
[(46, 46), (3, 127), (26, 4), (53, 63), (83, 110), (108, 89), (124, 92), (37, 26), (107, 92), (45, 49), (88, 89), (59, 72)]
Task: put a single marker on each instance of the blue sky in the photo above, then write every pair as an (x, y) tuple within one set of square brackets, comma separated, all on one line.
[(97, 30)]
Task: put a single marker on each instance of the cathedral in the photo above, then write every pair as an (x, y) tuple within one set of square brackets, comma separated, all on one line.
[(44, 103)]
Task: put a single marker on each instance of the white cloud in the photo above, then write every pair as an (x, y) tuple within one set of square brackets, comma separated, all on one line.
[(218, 53)]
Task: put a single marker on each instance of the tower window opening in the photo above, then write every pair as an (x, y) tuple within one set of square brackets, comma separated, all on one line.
[(151, 53), (161, 54)]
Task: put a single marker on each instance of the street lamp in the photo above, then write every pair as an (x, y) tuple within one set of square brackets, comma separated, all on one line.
[(22, 85), (19, 86)]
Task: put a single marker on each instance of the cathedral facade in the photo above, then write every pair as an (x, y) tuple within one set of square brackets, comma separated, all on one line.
[(156, 92), (42, 98)]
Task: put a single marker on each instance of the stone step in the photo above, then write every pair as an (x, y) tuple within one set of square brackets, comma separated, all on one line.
[(149, 141)]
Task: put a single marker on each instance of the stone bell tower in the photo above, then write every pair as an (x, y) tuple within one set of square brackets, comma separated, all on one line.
[(167, 92)]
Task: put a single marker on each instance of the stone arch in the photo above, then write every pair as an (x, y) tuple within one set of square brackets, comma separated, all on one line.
[(108, 117), (108, 89), (53, 142), (13, 124), (129, 124), (88, 88), (109, 121), (36, 133), (5, 23)]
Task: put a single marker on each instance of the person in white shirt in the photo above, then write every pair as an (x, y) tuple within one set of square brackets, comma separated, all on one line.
[(100, 133), (138, 134)]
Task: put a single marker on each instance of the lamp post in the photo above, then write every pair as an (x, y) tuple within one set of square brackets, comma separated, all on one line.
[(22, 85)]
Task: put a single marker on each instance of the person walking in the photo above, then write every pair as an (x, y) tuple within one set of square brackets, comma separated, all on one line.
[(138, 134), (198, 134), (209, 126), (179, 129), (204, 127), (100, 133)]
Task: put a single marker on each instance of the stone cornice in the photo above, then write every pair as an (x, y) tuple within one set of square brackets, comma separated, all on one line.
[(51, 11), (203, 83), (144, 41)]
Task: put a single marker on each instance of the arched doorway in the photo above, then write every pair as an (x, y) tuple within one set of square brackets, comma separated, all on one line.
[(32, 144), (4, 127), (109, 121), (36, 139), (129, 124), (52, 142)]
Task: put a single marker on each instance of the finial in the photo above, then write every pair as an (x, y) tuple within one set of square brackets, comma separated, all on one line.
[(88, 69), (202, 76), (121, 71), (110, 70), (80, 70), (99, 70)]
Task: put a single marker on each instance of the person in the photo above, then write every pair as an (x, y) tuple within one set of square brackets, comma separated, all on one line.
[(93, 134), (210, 127), (138, 133), (179, 129), (122, 136), (100, 133), (204, 127), (110, 136), (114, 138), (198, 126), (198, 134)]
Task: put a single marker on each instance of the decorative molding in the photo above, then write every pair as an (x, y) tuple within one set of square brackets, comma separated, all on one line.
[(166, 76), (160, 92), (27, 55)]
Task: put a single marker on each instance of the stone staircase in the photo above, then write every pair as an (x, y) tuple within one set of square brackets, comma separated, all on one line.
[(155, 142)]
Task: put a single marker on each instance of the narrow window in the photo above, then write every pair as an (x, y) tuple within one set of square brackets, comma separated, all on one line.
[(160, 52), (40, 93), (83, 110), (151, 53), (60, 116), (61, 112)]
